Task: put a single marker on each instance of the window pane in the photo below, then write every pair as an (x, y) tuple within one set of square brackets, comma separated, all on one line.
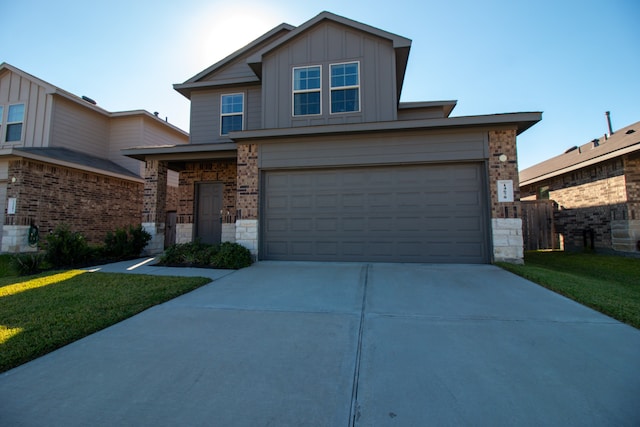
[(231, 124), (306, 103), (14, 132), (16, 113), (345, 100), (1, 113), (344, 75), (232, 104), (306, 78)]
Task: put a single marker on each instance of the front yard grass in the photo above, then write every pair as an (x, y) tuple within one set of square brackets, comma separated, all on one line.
[(607, 283), (41, 313)]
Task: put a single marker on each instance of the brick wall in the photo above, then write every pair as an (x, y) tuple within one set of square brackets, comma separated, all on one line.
[(503, 142), (248, 180), (632, 181), (224, 170), (90, 203), (173, 195), (589, 199)]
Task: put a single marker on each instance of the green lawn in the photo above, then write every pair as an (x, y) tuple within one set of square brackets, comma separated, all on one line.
[(41, 313), (607, 283)]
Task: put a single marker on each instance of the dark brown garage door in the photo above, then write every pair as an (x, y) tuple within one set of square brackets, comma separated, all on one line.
[(415, 213)]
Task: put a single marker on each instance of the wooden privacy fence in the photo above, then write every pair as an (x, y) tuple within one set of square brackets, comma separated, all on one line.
[(538, 227)]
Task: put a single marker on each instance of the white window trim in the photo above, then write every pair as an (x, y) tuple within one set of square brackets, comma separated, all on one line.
[(2, 136), (231, 114), (294, 92), (358, 86), (5, 128)]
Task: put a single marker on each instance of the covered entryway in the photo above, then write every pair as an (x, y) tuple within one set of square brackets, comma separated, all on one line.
[(401, 213)]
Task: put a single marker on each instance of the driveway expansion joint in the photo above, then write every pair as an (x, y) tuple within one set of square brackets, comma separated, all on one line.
[(354, 414)]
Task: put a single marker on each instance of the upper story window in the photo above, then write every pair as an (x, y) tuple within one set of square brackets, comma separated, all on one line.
[(231, 113), (306, 90), (15, 119), (345, 87), (1, 118)]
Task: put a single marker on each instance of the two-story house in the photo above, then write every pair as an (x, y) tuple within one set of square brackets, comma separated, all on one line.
[(60, 162), (300, 149)]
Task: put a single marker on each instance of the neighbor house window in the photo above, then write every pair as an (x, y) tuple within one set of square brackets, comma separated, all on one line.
[(345, 87), (1, 118), (231, 113), (306, 90), (543, 193), (15, 117)]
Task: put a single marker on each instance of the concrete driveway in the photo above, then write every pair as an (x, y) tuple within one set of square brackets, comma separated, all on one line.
[(331, 344)]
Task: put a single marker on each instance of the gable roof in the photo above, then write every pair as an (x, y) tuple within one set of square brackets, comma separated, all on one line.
[(280, 35), (84, 101), (623, 141), (198, 80), (401, 44)]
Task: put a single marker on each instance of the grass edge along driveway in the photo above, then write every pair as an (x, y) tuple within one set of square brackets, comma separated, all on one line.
[(39, 314), (607, 283)]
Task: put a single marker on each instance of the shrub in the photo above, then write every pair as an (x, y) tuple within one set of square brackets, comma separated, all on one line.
[(123, 244), (66, 248), (28, 263), (232, 255), (197, 254)]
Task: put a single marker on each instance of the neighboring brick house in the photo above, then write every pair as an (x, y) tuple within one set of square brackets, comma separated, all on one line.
[(300, 149), (60, 161), (596, 189)]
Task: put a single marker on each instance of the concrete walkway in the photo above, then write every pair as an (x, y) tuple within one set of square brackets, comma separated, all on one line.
[(331, 344)]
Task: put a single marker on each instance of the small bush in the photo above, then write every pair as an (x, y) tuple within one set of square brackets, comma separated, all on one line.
[(197, 254), (28, 263), (232, 255), (66, 248), (123, 244)]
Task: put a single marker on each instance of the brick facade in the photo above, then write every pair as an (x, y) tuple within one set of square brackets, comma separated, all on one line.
[(248, 181), (591, 199), (632, 181), (506, 224), (503, 142), (93, 204), (224, 171)]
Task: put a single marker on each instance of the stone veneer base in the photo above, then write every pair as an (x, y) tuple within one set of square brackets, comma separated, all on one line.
[(247, 234), (508, 244)]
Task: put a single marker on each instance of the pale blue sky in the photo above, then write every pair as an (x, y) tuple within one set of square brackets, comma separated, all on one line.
[(572, 60)]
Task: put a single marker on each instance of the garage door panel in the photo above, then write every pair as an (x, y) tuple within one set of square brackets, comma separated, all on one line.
[(409, 213)]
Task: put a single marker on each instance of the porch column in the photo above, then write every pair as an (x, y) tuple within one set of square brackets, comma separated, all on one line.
[(247, 198), (504, 185), (154, 204)]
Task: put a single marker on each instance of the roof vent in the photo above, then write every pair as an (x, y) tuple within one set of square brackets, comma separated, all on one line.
[(630, 131), (89, 100), (595, 142), (575, 147)]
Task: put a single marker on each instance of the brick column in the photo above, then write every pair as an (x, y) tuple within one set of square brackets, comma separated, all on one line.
[(247, 199), (154, 204), (506, 223)]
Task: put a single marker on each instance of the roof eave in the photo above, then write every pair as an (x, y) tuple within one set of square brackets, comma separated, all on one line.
[(182, 152), (522, 122), (586, 163)]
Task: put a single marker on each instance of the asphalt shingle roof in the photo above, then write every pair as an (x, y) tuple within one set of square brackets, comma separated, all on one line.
[(620, 142)]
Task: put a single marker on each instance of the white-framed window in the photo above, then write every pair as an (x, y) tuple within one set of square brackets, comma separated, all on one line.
[(1, 120), (345, 87), (307, 89), (231, 113), (15, 119)]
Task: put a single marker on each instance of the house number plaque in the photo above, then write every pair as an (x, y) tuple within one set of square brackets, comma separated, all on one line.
[(505, 190)]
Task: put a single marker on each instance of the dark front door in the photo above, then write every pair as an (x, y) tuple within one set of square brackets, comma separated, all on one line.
[(209, 206)]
